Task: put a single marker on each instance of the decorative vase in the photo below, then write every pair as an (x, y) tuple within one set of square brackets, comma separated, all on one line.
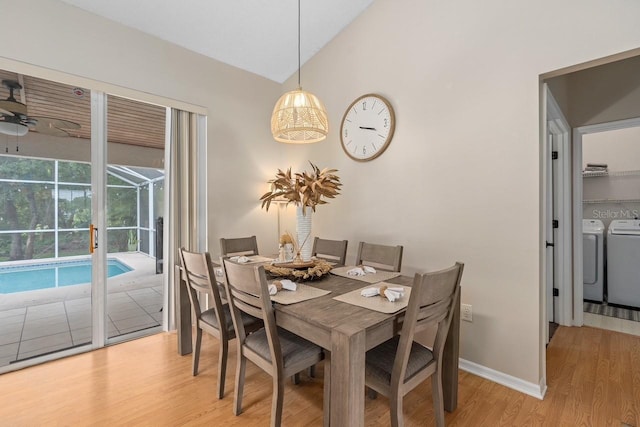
[(303, 231)]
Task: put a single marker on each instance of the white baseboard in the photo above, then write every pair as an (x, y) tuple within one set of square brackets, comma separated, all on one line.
[(536, 390)]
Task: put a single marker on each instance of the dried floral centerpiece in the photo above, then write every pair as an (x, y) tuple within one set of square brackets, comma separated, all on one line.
[(305, 190), (316, 271)]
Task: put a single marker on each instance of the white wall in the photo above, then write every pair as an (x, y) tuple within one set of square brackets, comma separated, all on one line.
[(460, 180), (50, 39), (619, 149)]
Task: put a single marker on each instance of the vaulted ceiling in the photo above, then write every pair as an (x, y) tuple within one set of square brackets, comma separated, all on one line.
[(259, 36)]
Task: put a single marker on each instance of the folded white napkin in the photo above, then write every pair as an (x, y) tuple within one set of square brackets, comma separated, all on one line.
[(240, 259), (357, 271), (272, 289), (370, 292), (392, 295), (368, 269), (289, 285)]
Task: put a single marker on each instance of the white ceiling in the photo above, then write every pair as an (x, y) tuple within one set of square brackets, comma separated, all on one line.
[(259, 36)]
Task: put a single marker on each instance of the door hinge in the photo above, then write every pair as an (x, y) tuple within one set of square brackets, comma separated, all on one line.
[(556, 292), (554, 155), (555, 223), (548, 244)]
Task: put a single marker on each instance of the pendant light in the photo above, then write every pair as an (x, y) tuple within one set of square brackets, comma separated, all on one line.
[(299, 117)]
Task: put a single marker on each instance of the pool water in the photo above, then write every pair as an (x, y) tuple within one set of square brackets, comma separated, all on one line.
[(32, 277)]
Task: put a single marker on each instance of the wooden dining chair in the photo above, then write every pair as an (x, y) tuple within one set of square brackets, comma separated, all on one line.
[(330, 250), (277, 351), (380, 256), (400, 364), (239, 246), (198, 273)]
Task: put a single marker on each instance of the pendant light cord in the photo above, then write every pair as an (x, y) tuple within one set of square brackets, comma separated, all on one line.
[(299, 44)]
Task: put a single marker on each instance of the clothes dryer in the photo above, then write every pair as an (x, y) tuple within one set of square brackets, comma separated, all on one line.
[(623, 263), (593, 259)]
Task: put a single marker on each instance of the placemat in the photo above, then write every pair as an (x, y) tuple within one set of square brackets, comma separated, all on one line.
[(302, 293), (377, 303), (378, 276)]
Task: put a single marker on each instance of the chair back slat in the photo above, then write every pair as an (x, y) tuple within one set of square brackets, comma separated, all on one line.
[(247, 303), (433, 313), (441, 286), (198, 282), (239, 246), (380, 256), (331, 250)]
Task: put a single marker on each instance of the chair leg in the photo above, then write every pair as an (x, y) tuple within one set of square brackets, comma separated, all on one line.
[(240, 370), (395, 403), (312, 371), (276, 403), (196, 351), (222, 366), (438, 399), (295, 379)]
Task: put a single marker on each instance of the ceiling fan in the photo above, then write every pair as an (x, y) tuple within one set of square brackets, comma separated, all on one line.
[(15, 121)]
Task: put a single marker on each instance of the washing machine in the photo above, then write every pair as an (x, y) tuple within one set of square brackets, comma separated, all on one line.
[(623, 263), (593, 259)]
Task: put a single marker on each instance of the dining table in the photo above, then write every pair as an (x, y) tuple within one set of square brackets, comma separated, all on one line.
[(345, 331)]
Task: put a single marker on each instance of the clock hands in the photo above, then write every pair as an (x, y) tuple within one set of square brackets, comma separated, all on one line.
[(367, 128)]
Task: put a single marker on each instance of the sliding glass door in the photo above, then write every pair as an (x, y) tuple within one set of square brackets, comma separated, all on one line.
[(80, 222), (134, 215)]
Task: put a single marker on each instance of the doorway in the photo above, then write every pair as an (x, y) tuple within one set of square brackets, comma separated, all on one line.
[(598, 93), (610, 197)]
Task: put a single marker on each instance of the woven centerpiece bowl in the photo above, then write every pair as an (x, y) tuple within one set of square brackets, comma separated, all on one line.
[(311, 270)]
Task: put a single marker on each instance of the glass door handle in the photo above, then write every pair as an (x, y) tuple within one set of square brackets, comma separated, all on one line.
[(93, 238)]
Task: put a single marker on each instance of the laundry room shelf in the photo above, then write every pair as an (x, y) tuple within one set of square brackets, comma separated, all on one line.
[(592, 174), (609, 201)]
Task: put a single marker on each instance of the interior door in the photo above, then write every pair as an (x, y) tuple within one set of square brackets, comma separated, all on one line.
[(549, 232)]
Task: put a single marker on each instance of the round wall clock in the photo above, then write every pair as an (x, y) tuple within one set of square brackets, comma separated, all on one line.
[(367, 127)]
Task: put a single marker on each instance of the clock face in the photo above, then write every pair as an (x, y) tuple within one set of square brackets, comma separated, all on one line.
[(367, 127)]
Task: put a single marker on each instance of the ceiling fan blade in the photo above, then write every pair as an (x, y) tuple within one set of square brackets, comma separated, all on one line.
[(46, 128), (57, 123), (6, 112)]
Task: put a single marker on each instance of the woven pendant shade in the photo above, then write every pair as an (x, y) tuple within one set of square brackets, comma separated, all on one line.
[(299, 118)]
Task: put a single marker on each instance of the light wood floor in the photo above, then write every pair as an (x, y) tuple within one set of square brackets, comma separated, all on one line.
[(593, 376)]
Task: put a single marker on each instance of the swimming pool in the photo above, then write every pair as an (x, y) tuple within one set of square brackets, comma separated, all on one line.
[(30, 277)]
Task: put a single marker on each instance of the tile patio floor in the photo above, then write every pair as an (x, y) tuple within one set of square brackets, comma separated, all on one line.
[(39, 322)]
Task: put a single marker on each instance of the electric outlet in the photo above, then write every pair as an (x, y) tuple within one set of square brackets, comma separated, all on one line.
[(466, 312)]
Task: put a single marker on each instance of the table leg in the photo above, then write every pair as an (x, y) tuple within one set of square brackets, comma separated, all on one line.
[(183, 313), (451, 357), (347, 376), (326, 404)]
